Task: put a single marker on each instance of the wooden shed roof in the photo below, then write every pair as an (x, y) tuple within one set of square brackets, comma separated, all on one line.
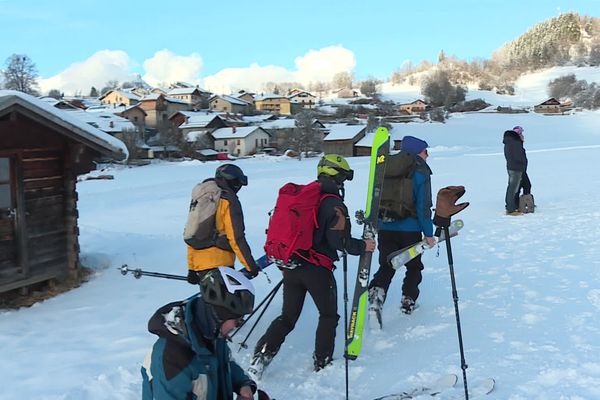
[(72, 127)]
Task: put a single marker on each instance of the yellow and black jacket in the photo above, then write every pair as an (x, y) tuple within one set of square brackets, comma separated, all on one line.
[(231, 238)]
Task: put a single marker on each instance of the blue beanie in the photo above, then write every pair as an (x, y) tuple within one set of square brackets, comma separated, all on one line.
[(413, 145)]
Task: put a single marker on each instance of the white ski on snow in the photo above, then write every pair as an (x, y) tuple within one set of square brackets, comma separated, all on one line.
[(443, 383)]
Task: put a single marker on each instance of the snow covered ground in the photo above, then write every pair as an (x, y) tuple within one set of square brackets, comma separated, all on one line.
[(529, 286)]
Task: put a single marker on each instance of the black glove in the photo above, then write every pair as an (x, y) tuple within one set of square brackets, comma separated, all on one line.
[(446, 206), (192, 277), (249, 274)]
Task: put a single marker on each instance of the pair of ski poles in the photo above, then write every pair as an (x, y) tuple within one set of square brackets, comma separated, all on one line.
[(138, 273)]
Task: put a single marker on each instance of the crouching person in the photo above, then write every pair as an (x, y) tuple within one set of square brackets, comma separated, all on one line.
[(191, 359)]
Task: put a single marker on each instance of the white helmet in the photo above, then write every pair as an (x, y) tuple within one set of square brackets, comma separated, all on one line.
[(227, 288)]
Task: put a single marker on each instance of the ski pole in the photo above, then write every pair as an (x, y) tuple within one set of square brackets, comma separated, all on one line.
[(463, 364), (270, 294), (138, 273), (345, 263), (266, 301)]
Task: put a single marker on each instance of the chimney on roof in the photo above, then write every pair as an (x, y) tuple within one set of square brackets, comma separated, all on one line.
[(233, 129)]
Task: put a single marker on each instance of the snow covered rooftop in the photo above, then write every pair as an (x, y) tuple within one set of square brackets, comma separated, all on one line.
[(284, 123), (240, 132), (102, 141), (343, 132)]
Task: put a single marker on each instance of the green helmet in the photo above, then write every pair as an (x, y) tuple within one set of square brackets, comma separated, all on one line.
[(335, 166)]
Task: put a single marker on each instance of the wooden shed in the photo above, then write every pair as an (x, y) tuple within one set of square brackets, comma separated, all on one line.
[(42, 150)]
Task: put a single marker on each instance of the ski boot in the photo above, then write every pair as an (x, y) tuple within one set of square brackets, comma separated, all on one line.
[(407, 305), (319, 363), (260, 362)]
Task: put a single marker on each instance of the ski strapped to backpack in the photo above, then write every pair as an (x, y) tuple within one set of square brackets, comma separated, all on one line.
[(292, 225), (200, 230), (397, 200)]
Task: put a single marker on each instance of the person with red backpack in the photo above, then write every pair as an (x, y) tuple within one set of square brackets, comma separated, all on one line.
[(310, 270)]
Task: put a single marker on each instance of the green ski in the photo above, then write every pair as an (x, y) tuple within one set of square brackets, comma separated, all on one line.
[(358, 313)]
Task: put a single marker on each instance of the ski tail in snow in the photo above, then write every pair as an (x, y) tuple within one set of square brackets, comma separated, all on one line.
[(358, 313)]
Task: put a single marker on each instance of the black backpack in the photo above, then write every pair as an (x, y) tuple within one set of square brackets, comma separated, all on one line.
[(397, 200)]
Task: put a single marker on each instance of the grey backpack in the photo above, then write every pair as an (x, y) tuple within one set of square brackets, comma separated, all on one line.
[(200, 230), (526, 203)]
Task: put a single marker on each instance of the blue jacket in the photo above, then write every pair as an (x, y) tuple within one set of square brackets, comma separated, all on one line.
[(422, 199), (190, 360)]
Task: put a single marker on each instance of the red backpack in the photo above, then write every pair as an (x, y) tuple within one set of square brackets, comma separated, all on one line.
[(292, 225)]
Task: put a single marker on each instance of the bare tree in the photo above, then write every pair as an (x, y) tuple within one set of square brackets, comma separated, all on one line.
[(20, 74), (108, 86), (305, 137), (55, 93), (370, 87), (342, 80)]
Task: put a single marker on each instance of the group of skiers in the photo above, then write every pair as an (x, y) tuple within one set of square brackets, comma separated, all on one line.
[(191, 359)]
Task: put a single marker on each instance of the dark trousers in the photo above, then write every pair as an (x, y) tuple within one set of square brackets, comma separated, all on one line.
[(388, 242), (514, 183), (525, 185), (320, 284)]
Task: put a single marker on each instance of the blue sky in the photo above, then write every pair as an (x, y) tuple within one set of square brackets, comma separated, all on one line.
[(379, 34)]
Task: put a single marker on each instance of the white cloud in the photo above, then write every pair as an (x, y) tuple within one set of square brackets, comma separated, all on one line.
[(168, 67), (101, 67), (250, 78), (323, 64), (315, 65)]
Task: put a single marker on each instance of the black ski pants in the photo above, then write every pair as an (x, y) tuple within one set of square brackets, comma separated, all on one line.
[(388, 242), (320, 284)]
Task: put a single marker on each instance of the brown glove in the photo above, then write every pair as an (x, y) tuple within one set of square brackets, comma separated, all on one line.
[(446, 206)]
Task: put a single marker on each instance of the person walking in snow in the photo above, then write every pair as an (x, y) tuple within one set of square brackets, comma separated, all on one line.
[(396, 234), (226, 238), (190, 358), (516, 166), (332, 234)]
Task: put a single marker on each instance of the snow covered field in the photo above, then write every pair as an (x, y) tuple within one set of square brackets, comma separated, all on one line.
[(529, 286)]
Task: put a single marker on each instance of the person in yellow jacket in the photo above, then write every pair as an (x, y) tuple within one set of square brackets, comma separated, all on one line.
[(230, 238)]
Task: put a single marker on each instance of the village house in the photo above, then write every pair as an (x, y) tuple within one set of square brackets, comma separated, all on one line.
[(276, 104), (341, 139), (158, 108), (416, 107), (229, 104), (241, 141), (197, 121), (192, 96), (119, 98), (550, 106), (303, 98), (346, 93), (135, 114), (246, 96), (42, 151)]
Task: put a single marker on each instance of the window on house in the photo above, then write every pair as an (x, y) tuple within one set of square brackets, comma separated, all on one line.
[(224, 142), (5, 194), (135, 119), (238, 142)]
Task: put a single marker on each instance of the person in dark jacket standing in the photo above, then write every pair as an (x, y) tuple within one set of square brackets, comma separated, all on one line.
[(191, 359), (516, 166), (331, 235), (229, 237), (397, 234)]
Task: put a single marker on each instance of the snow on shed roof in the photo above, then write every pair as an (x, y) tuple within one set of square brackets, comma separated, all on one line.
[(284, 123), (99, 140), (343, 132)]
